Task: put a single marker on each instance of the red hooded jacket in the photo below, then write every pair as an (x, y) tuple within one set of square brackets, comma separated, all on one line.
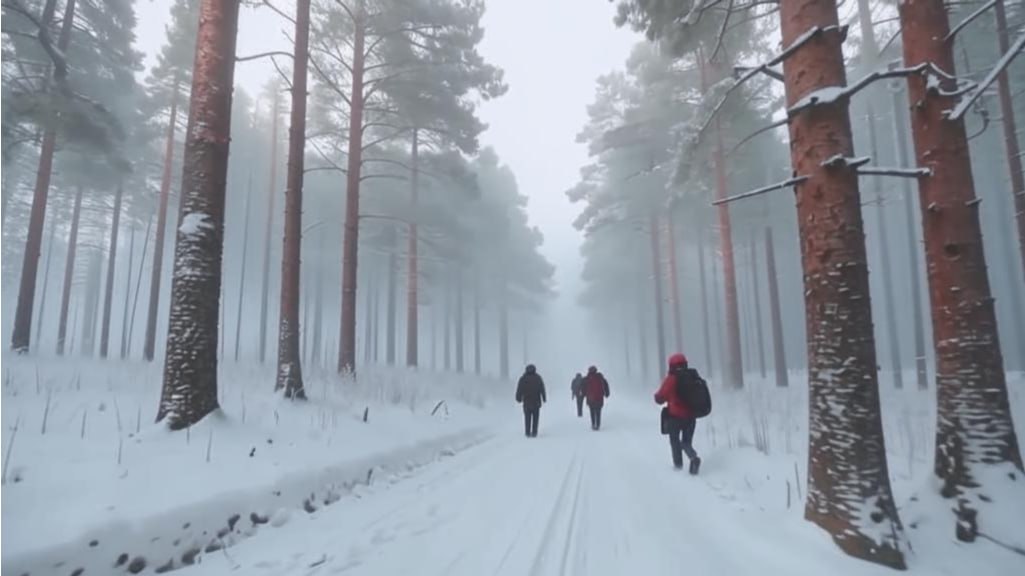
[(667, 393)]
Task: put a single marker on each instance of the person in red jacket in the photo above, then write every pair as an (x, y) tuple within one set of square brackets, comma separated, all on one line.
[(596, 390), (680, 421)]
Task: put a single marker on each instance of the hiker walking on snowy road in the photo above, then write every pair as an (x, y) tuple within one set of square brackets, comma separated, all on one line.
[(686, 394), (577, 389), (531, 393), (596, 389)]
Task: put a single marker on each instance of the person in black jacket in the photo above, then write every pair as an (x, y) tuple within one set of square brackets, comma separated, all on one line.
[(577, 389), (531, 393)]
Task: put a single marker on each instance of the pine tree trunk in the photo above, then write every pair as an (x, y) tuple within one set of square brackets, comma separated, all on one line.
[(974, 432), (242, 275), (268, 231), (318, 307), (446, 322), (656, 267), (94, 274), (626, 341), (900, 137), (643, 359), (371, 287), (156, 276), (503, 333), (674, 284), (778, 344), (22, 333), (884, 256), (138, 286), (392, 312), (290, 378), (350, 240), (756, 285), (128, 293), (375, 317), (69, 271), (190, 368), (476, 327), (1010, 130), (848, 484), (458, 319), (706, 342), (108, 297), (412, 333), (46, 280)]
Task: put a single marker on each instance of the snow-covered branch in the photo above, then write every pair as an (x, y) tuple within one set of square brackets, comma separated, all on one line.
[(262, 55), (759, 191), (958, 112), (897, 172), (840, 161), (953, 31)]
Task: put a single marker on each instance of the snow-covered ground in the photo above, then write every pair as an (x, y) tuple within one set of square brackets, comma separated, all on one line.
[(457, 492)]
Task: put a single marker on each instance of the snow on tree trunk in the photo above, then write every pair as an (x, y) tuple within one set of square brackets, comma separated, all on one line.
[(412, 281), (290, 378), (900, 138), (69, 271), (848, 483), (974, 431), (190, 367), (350, 239), (268, 231), (656, 267), (778, 344), (1010, 131), (22, 333), (156, 276), (108, 297)]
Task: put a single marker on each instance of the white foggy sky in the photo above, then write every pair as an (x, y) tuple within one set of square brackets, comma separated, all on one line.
[(551, 51)]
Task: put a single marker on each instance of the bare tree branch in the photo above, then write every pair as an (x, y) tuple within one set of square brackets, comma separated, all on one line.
[(1004, 62), (262, 55), (953, 31), (759, 191), (897, 172)]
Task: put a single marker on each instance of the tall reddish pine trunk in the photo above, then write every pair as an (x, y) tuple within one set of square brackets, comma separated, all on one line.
[(656, 267), (778, 345), (350, 239), (108, 297), (190, 368), (848, 484), (1010, 130), (149, 345), (22, 333), (290, 377), (707, 342), (272, 189), (756, 288), (974, 431), (242, 276), (674, 284), (900, 139), (69, 271), (412, 281)]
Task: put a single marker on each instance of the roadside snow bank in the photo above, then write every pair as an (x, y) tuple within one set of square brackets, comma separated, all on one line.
[(90, 482)]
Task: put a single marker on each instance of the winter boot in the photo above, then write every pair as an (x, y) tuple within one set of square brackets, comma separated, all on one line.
[(695, 465)]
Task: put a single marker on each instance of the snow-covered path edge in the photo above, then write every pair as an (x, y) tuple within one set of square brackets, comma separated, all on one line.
[(180, 536)]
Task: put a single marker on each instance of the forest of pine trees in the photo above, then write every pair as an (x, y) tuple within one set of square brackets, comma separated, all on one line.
[(752, 162)]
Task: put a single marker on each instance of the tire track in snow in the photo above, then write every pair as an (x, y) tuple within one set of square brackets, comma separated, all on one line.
[(554, 517), (570, 535)]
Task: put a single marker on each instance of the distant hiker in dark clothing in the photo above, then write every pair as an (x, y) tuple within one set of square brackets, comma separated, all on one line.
[(679, 418), (577, 388), (596, 389), (531, 393)]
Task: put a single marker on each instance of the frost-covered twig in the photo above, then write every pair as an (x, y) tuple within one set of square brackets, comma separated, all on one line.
[(722, 31), (968, 20), (898, 172), (839, 160), (262, 55), (770, 72), (958, 112), (763, 190), (762, 130), (10, 448)]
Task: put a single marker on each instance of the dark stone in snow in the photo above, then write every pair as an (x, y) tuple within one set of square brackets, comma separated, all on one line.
[(78, 571), (189, 557), (258, 519), (308, 506), (233, 520), (94, 543), (165, 567), (186, 525), (121, 559), (221, 533), (213, 546), (138, 564)]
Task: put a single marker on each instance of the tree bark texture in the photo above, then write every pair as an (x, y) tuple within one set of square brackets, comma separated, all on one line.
[(190, 367), (973, 419), (848, 483)]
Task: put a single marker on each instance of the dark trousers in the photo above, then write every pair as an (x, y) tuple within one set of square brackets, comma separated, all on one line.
[(580, 406), (681, 438), (530, 417), (595, 415)]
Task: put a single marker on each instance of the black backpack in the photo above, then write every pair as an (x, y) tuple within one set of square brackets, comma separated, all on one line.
[(693, 390)]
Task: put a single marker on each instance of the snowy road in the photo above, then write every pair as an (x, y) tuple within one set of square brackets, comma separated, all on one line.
[(572, 501)]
